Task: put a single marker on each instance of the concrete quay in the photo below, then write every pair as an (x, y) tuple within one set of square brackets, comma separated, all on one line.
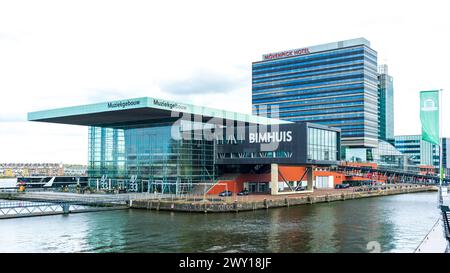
[(254, 202)]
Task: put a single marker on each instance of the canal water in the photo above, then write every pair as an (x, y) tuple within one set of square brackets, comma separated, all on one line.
[(391, 224)]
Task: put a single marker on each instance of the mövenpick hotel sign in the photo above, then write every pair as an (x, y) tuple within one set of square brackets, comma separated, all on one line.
[(316, 48), (287, 53)]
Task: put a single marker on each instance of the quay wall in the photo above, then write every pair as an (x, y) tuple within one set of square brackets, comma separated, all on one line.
[(269, 202)]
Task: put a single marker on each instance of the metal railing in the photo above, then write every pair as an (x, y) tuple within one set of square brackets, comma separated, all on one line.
[(445, 217), (37, 207), (426, 239), (189, 197)]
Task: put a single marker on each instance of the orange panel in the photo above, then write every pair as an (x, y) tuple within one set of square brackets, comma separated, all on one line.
[(230, 185), (292, 173)]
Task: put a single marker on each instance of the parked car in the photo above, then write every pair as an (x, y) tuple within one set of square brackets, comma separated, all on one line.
[(301, 188), (226, 193), (243, 192), (342, 186)]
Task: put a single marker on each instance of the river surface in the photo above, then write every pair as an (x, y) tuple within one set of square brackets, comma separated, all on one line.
[(395, 223)]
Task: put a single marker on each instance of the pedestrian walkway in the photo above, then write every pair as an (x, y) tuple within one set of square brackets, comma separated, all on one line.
[(434, 241)]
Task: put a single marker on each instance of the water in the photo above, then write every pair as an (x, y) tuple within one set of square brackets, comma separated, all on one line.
[(397, 223)]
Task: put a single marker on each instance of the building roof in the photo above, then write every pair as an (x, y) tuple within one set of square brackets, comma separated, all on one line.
[(137, 110)]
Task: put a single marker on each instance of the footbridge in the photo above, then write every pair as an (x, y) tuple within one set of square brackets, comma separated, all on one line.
[(16, 205), (392, 175)]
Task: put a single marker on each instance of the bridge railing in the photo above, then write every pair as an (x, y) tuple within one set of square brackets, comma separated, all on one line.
[(37, 203), (446, 219)]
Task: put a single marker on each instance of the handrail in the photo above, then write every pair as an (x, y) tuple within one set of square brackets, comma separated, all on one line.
[(427, 236), (445, 211)]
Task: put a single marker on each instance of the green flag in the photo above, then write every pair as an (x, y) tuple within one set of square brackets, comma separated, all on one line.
[(429, 115)]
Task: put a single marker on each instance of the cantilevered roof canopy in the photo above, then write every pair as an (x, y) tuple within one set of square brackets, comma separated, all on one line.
[(140, 110)]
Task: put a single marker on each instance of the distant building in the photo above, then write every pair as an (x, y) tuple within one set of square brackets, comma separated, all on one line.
[(41, 169), (385, 104), (75, 170), (423, 152)]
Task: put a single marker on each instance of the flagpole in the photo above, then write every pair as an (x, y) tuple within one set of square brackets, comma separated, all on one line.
[(440, 148)]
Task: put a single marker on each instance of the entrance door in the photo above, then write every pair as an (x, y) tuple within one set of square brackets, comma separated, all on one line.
[(158, 186), (253, 187), (263, 187)]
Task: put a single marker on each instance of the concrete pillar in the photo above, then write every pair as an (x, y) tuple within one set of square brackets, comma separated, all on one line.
[(309, 176), (274, 179), (65, 208)]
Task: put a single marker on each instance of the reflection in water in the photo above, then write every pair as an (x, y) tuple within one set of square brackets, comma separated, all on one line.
[(398, 223)]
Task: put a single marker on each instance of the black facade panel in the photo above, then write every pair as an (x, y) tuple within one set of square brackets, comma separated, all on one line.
[(282, 144)]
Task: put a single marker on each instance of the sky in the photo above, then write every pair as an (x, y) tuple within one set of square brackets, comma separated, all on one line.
[(65, 53)]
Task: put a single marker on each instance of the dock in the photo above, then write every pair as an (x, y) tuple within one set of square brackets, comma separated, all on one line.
[(256, 202)]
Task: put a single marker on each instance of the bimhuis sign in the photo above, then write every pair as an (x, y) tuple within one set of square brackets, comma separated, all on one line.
[(285, 143)]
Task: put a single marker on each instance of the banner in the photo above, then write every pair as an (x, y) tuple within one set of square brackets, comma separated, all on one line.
[(429, 116)]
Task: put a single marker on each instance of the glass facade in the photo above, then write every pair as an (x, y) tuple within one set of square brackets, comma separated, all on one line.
[(322, 144), (388, 157), (421, 152), (386, 104), (151, 153), (357, 154), (336, 87), (385, 155)]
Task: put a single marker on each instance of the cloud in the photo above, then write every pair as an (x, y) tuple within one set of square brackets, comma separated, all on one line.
[(105, 94), (9, 36), (193, 53), (204, 81), (12, 118)]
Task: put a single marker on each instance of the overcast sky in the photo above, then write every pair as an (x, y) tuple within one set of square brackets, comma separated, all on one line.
[(64, 53)]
